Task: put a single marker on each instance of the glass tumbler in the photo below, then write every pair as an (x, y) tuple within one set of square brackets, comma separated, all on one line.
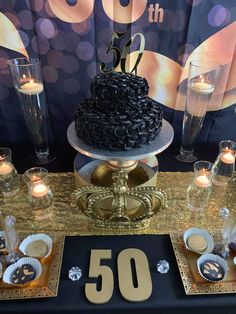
[(40, 196), (9, 180), (225, 163), (199, 190)]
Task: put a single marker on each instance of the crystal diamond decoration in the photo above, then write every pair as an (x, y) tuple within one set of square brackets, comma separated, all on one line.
[(163, 266), (224, 212), (75, 273)]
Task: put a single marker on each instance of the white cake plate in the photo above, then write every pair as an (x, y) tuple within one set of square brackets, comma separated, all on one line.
[(161, 142)]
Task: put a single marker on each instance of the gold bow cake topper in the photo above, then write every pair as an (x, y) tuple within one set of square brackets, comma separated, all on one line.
[(111, 206)]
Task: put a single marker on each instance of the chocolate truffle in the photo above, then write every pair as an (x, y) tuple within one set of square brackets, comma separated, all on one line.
[(212, 270), (23, 274), (2, 244), (37, 248), (196, 243)]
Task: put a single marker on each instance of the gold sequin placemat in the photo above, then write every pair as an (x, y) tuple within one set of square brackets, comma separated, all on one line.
[(70, 221)]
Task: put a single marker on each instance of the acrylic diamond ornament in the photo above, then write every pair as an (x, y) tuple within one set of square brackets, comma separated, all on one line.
[(75, 273), (163, 266)]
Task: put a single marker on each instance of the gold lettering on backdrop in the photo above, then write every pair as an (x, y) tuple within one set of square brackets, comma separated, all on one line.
[(155, 13), (120, 57)]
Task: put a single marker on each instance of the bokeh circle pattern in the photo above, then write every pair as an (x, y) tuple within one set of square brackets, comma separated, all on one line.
[(70, 64), (55, 58), (40, 45), (218, 16), (59, 42), (50, 74), (46, 28), (13, 18), (184, 52), (85, 51), (26, 19), (194, 2), (92, 69), (25, 38), (71, 86)]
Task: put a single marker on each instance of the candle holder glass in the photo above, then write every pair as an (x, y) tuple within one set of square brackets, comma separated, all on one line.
[(27, 79), (9, 180), (199, 190), (225, 163), (40, 196), (201, 84)]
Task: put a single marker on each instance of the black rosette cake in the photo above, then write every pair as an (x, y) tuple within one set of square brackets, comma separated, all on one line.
[(119, 115)]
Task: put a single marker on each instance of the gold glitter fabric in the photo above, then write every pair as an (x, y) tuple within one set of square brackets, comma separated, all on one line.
[(65, 218)]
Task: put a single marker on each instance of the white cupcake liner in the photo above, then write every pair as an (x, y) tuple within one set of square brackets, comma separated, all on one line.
[(214, 258), (7, 276), (201, 232), (33, 237)]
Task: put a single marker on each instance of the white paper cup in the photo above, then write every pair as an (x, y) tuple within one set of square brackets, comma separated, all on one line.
[(213, 258), (203, 233), (34, 237), (7, 276)]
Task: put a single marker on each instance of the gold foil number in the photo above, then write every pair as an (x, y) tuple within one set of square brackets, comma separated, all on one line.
[(138, 288), (121, 57), (107, 281), (134, 276)]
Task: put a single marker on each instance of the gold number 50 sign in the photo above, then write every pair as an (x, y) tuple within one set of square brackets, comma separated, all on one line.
[(134, 286), (120, 57)]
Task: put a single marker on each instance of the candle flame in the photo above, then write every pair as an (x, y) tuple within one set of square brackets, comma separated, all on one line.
[(24, 76), (202, 78), (31, 81)]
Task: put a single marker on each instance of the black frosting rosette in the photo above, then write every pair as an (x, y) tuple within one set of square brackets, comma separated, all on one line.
[(114, 91)]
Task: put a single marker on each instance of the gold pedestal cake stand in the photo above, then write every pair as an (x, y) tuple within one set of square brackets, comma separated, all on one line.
[(117, 190)]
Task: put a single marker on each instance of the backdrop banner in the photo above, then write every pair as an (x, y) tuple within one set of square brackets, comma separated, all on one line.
[(156, 39)]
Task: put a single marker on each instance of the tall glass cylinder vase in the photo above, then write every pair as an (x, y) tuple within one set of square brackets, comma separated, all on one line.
[(202, 80), (27, 79)]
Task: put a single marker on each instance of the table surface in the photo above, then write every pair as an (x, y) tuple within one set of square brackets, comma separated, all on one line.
[(168, 293)]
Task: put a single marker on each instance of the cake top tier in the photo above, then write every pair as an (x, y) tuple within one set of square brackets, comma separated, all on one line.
[(115, 91)]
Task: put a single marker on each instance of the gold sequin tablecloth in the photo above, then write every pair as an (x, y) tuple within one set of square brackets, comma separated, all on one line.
[(70, 221)]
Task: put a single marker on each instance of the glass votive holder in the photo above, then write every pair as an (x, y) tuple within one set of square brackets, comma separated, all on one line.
[(199, 190), (225, 163), (9, 180), (40, 196)]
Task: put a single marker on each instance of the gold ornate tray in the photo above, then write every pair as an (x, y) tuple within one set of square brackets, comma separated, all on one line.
[(47, 284), (192, 281)]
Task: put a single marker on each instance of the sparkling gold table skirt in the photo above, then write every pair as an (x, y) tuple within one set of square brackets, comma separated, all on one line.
[(70, 221)]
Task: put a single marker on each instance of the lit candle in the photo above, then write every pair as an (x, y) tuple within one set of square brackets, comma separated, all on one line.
[(227, 158), (31, 88), (202, 87), (202, 181), (5, 168), (24, 79), (40, 190)]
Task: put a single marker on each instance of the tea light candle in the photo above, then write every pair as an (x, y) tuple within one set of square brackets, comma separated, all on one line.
[(227, 158), (202, 87), (5, 168), (202, 181), (31, 88), (40, 190)]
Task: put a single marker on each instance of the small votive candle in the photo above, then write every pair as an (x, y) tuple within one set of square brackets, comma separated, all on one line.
[(227, 158), (5, 168), (31, 88), (202, 181), (40, 190)]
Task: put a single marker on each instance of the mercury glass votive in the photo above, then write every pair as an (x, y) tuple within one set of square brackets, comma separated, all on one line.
[(40, 196), (9, 180), (225, 163), (199, 190)]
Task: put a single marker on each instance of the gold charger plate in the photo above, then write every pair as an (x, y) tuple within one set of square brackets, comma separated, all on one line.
[(47, 284), (192, 281)]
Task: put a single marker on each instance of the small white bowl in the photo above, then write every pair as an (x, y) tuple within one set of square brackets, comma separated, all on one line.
[(7, 276), (203, 233), (213, 258), (34, 237)]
